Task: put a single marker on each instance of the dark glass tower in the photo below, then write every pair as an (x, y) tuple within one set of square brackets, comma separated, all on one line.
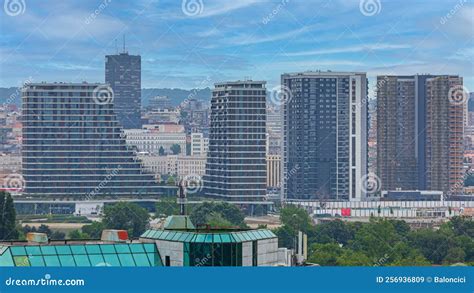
[(73, 144), (123, 73), (236, 160), (325, 135)]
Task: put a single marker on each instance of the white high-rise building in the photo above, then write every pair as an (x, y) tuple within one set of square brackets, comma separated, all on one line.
[(199, 144)]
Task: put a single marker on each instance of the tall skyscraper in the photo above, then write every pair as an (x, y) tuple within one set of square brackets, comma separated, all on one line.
[(420, 132), (397, 133), (123, 73), (73, 144), (325, 135), (236, 161)]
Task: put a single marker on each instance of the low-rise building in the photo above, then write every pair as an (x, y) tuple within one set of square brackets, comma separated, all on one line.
[(152, 140), (180, 243), (179, 166)]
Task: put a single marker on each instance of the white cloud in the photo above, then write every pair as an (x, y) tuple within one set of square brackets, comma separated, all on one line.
[(223, 7), (351, 49), (253, 39)]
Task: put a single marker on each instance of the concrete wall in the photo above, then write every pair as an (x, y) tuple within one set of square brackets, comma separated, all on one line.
[(267, 252), (172, 249), (247, 254)]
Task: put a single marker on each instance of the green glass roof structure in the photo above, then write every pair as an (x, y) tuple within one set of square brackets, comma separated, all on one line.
[(81, 255), (208, 237)]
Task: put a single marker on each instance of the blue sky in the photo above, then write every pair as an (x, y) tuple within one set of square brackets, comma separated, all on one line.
[(236, 39)]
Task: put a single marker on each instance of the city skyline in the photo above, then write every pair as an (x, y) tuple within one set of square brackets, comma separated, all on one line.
[(185, 48)]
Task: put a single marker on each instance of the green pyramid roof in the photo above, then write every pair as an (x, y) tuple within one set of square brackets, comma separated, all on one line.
[(178, 222)]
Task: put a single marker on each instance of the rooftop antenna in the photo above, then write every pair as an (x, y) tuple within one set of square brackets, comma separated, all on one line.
[(124, 43)]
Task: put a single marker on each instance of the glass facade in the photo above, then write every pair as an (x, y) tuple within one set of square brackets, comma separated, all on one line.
[(212, 249), (89, 255), (325, 135), (236, 158), (73, 145), (203, 237), (123, 74)]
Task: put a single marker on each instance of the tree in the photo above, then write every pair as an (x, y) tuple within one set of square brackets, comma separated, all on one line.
[(325, 254), (353, 258), (77, 234), (161, 151), (8, 229), (44, 229), (217, 220), (58, 235), (296, 218), (432, 244), (171, 181), (176, 149), (375, 238), (94, 230), (454, 255), (230, 213), (462, 226), (126, 216), (334, 231), (167, 206), (286, 236)]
